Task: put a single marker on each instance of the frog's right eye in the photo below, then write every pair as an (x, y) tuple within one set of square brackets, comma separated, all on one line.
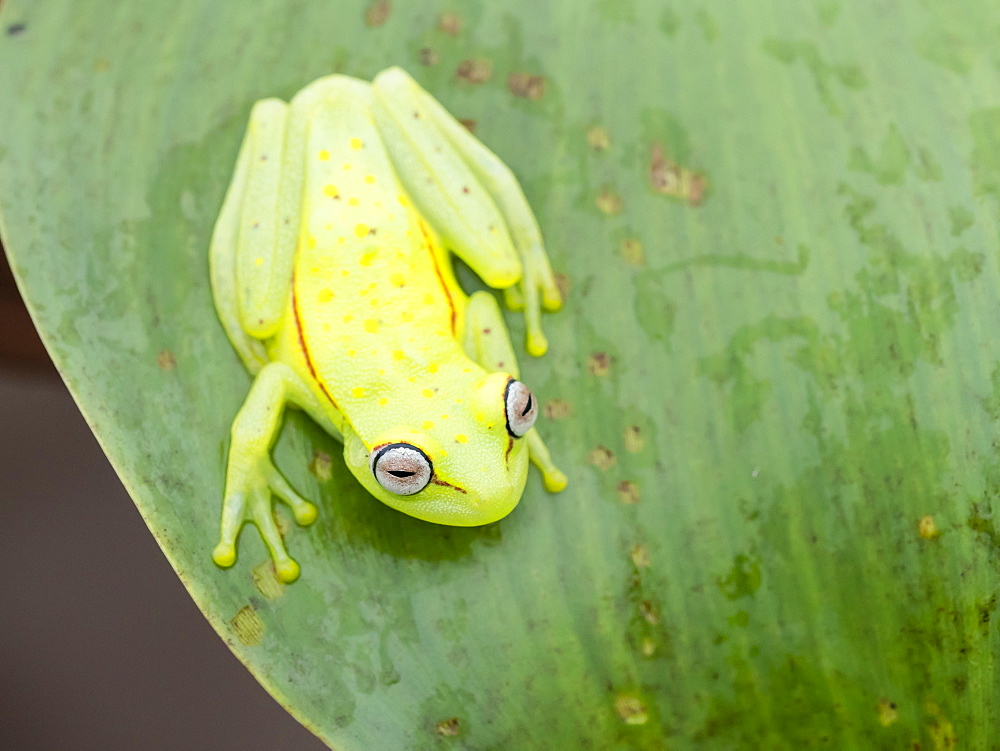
[(401, 468)]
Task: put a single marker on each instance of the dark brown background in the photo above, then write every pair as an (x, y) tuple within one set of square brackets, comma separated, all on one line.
[(100, 645)]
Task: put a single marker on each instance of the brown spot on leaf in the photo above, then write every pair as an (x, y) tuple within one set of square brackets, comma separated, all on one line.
[(609, 202), (247, 626), (477, 71), (632, 252), (640, 555), (634, 442), (447, 727), (562, 284), (166, 360), (631, 710), (669, 178), (648, 647), (557, 409), (649, 612), (598, 138), (602, 458), (266, 580), (526, 85), (428, 56), (468, 124), (450, 23), (321, 466), (887, 712), (378, 13), (628, 492), (927, 528), (599, 364)]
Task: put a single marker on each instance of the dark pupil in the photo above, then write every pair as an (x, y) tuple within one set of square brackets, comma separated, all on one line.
[(401, 473), (527, 407)]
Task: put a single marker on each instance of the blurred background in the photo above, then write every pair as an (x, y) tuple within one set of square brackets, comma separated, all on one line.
[(101, 646)]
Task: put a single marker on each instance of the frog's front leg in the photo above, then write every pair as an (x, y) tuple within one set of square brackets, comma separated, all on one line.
[(251, 476), (487, 341), (469, 195)]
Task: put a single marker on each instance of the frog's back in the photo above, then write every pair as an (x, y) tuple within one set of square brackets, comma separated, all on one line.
[(373, 293)]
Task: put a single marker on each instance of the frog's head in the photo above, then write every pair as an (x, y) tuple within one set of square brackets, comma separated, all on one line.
[(466, 470)]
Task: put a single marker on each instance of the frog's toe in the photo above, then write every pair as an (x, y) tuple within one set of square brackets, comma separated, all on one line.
[(555, 480), (537, 344), (513, 298), (305, 513), (287, 570), (224, 554)]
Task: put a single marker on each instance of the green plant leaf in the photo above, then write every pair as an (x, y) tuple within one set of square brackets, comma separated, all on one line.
[(775, 385)]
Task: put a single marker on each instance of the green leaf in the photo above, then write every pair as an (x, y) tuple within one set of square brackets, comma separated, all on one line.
[(775, 385)]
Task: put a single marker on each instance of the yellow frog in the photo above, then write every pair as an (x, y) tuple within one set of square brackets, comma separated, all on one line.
[(332, 277)]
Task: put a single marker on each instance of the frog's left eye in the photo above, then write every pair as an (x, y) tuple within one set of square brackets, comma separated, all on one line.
[(522, 408), (401, 468)]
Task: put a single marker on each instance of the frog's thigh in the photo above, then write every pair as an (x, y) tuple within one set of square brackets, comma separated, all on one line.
[(251, 476), (265, 245), (441, 182), (222, 261), (494, 185), (487, 341)]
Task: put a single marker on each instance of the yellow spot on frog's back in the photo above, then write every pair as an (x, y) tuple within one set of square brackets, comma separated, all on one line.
[(428, 298), (383, 401), (368, 256), (370, 179), (356, 143), (397, 354), (432, 368), (398, 279), (371, 325), (347, 165), (348, 318), (428, 392), (311, 242), (462, 438), (354, 202), (402, 200), (358, 393), (258, 261), (325, 295), (324, 155), (428, 425), (329, 190), (361, 229)]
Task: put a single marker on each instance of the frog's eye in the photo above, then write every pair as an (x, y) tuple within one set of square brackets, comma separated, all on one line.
[(522, 408), (401, 468)]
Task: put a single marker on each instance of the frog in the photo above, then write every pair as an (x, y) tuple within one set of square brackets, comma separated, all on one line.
[(332, 272)]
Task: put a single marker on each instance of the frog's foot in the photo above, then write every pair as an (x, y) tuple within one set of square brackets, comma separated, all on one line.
[(248, 499), (554, 479)]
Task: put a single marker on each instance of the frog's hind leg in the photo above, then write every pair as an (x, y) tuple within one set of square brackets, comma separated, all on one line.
[(229, 249), (487, 341), (472, 197), (252, 478)]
